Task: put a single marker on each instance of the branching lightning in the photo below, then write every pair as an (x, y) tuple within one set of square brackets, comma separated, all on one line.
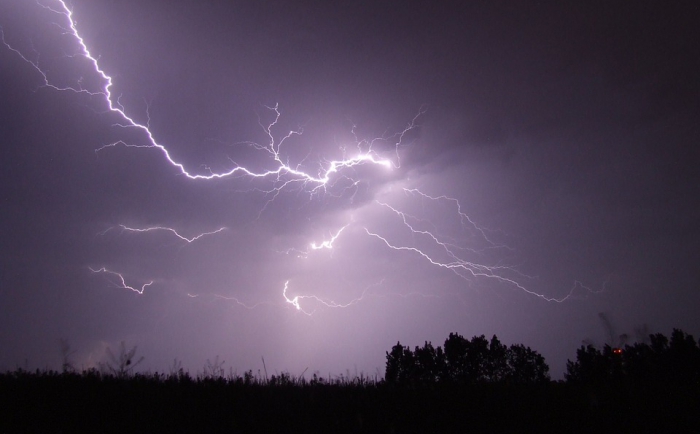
[(284, 175), (464, 219), (328, 244), (463, 268), (295, 301), (273, 147), (167, 229), (323, 245), (122, 282)]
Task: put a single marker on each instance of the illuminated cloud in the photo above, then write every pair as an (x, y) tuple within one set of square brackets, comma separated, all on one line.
[(398, 183)]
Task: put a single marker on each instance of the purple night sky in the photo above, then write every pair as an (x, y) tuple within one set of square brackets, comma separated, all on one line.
[(522, 167)]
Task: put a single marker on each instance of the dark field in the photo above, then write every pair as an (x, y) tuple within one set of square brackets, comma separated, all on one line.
[(50, 402)]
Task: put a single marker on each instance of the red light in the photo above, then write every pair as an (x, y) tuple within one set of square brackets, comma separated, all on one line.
[(617, 351)]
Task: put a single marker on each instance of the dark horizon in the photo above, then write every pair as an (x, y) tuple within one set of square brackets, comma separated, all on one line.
[(549, 148)]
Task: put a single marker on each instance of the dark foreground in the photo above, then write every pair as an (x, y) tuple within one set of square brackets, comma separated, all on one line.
[(91, 402)]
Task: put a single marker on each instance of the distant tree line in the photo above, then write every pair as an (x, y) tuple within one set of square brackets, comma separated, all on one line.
[(464, 361), (478, 360), (669, 361), (601, 393)]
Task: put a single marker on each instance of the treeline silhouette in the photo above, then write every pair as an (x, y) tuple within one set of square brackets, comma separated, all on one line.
[(466, 385), (674, 361), (465, 362)]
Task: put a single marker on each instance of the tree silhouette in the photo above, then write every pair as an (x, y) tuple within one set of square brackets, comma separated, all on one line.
[(526, 365), (393, 363), (594, 366), (122, 364), (675, 360), (496, 367), (428, 362), (465, 361)]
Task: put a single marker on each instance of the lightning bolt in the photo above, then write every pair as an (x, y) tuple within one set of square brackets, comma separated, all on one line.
[(122, 282), (167, 229), (460, 266), (464, 218), (296, 300), (328, 244), (273, 147), (323, 245), (284, 175), (233, 299)]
